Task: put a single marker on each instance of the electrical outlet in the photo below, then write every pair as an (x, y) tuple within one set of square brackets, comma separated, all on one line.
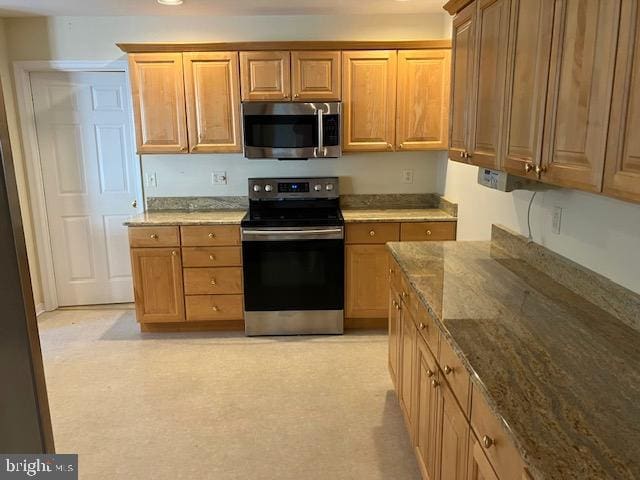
[(557, 220), (219, 178), (151, 179), (407, 176)]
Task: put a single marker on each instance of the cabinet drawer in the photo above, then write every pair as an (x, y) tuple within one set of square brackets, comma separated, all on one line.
[(455, 374), (372, 233), (210, 236), (211, 256), (214, 307), (418, 231), (496, 444), (154, 237), (212, 281), (427, 328)]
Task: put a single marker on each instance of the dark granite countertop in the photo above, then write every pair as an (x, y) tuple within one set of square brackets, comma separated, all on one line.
[(560, 368)]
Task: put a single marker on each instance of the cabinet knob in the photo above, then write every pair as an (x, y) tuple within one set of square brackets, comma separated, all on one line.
[(212, 258), (397, 306), (429, 372), (391, 271), (404, 295), (428, 233), (528, 167), (487, 441), (174, 253), (435, 383), (372, 233), (213, 282), (467, 155), (540, 169), (154, 236), (389, 146), (461, 154), (215, 309), (297, 95), (448, 369), (422, 326), (212, 235)]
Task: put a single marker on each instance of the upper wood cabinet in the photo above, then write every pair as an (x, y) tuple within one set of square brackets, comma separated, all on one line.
[(622, 167), (369, 100), (157, 284), (315, 75), (528, 69), (265, 75), (366, 281), (157, 88), (423, 99), (579, 92), (461, 79), (212, 91), (489, 79)]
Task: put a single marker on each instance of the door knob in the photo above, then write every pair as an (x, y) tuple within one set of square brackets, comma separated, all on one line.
[(134, 204)]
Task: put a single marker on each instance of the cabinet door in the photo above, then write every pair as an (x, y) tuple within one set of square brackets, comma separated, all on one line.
[(579, 95), (315, 75), (157, 284), (157, 88), (394, 336), (369, 100), (425, 409), (212, 90), (461, 81), (265, 76), (622, 167), (479, 467), (367, 282), (407, 354), (423, 99), (527, 75), (454, 428), (489, 80)]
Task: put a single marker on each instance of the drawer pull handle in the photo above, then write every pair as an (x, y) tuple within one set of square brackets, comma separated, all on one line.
[(487, 441), (154, 236), (429, 373), (428, 233), (422, 326), (404, 295), (372, 233), (448, 369), (435, 383), (213, 282), (212, 235), (212, 257), (397, 306)]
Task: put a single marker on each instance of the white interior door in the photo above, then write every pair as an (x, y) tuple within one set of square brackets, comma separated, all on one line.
[(91, 179)]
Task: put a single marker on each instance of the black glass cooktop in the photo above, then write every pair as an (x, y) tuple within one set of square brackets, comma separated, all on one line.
[(293, 214)]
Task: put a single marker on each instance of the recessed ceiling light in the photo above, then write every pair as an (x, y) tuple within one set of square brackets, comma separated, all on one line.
[(170, 2)]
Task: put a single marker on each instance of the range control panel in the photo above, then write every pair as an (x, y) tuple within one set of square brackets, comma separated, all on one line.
[(281, 188)]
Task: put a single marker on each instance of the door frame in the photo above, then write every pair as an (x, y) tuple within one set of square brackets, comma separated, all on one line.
[(35, 184)]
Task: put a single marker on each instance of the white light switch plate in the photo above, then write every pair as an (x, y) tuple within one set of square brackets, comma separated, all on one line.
[(557, 220), (151, 179), (219, 178)]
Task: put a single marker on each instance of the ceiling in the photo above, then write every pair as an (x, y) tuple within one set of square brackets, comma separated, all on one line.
[(18, 8)]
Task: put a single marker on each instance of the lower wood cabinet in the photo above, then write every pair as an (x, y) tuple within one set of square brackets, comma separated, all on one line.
[(157, 284), (445, 416)]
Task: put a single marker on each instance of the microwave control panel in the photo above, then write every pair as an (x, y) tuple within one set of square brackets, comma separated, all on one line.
[(331, 130)]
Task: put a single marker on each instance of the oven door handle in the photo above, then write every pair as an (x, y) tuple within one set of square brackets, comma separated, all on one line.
[(300, 234)]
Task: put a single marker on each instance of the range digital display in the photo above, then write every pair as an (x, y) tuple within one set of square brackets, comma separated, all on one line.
[(293, 187)]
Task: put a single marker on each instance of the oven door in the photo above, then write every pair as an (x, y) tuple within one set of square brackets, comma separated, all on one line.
[(291, 130), (293, 269)]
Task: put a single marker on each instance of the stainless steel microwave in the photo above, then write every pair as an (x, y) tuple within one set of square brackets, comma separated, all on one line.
[(291, 130)]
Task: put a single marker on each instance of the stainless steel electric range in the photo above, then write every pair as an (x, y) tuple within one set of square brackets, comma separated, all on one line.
[(293, 257)]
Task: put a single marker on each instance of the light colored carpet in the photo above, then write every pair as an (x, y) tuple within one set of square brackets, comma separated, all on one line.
[(220, 406)]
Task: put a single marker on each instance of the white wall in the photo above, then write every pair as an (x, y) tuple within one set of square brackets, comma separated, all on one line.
[(600, 233), (190, 175)]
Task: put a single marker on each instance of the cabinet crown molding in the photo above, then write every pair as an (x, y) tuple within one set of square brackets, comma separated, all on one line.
[(454, 6), (178, 47)]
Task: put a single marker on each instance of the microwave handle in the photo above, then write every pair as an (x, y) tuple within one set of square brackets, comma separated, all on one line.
[(321, 149)]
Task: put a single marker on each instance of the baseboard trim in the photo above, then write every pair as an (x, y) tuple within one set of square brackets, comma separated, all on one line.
[(40, 309), (205, 326), (365, 323)]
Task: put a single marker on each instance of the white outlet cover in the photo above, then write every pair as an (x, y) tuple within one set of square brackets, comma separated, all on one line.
[(151, 180), (556, 222), (219, 178), (407, 176)]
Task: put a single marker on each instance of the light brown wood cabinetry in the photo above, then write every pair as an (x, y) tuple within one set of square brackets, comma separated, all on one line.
[(211, 256), (366, 280), (157, 88), (369, 100), (154, 237), (479, 467), (213, 281), (157, 284), (418, 231), (212, 91), (461, 78), (423, 99), (579, 99), (622, 166), (265, 76), (374, 232), (528, 69), (394, 335), (210, 235), (214, 307), (488, 85), (408, 334), (454, 435), (316, 75)]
